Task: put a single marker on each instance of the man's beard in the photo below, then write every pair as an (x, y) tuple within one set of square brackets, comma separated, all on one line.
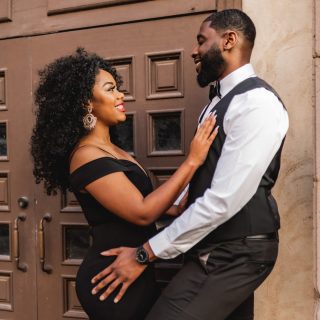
[(212, 65)]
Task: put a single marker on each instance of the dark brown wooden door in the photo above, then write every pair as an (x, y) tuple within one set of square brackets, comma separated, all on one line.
[(149, 42), (18, 284)]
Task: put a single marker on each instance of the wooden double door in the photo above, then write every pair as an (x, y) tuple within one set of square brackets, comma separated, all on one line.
[(44, 238)]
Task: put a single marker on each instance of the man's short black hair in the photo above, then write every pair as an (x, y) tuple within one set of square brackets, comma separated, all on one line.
[(235, 20)]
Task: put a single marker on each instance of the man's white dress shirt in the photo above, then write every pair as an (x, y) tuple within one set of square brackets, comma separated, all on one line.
[(255, 125)]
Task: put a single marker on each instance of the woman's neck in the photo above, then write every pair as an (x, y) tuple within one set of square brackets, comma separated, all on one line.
[(99, 136)]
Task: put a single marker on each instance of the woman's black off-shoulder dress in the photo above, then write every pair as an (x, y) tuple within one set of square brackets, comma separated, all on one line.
[(110, 231)]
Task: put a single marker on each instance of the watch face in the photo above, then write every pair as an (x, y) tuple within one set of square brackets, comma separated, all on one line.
[(142, 255)]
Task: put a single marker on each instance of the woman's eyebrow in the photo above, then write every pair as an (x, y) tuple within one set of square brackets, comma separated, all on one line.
[(108, 82)]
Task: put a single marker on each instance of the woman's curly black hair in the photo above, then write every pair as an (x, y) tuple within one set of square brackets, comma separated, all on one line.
[(64, 91)]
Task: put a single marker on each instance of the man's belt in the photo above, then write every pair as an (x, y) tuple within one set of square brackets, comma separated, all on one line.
[(273, 235)]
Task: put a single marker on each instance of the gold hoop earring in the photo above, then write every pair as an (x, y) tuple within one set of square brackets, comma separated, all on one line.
[(89, 120)]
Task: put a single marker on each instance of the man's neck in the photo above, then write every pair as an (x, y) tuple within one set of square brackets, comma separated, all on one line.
[(232, 67), (236, 76)]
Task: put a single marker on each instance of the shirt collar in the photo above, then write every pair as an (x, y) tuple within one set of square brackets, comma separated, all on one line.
[(235, 77)]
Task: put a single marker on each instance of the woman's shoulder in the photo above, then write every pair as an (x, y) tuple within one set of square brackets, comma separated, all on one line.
[(89, 162), (93, 168), (85, 155), (100, 164)]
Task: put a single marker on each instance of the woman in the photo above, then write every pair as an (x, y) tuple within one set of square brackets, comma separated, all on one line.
[(78, 101)]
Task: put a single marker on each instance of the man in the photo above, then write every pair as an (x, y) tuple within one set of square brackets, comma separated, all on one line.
[(229, 229)]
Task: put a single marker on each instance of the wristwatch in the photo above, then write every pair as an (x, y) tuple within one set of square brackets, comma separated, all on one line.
[(142, 255)]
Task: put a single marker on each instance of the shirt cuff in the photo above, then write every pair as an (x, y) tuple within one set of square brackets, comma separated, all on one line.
[(186, 189), (161, 246)]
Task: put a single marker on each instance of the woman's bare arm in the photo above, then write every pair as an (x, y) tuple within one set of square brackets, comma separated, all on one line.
[(116, 192)]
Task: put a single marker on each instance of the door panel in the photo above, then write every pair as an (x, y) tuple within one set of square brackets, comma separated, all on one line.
[(65, 240), (17, 238), (22, 18)]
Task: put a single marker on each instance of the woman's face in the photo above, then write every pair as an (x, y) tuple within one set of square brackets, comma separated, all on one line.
[(107, 102)]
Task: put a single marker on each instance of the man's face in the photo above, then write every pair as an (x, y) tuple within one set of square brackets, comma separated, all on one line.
[(207, 55)]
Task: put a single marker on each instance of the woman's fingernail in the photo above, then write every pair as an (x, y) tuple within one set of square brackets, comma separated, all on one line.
[(93, 291), (101, 298), (116, 301)]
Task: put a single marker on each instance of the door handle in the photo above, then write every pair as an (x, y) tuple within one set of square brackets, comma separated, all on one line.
[(45, 267), (16, 247), (23, 202)]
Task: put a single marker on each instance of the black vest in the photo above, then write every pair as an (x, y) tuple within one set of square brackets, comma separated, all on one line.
[(260, 215)]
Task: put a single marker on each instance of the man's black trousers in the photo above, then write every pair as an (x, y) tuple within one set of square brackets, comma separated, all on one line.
[(222, 287)]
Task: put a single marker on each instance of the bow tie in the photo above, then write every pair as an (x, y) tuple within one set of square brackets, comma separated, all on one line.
[(214, 90)]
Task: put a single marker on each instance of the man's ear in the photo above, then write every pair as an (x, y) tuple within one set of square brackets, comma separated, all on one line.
[(230, 39)]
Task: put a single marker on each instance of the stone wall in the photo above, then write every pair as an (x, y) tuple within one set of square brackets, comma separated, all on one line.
[(284, 57), (316, 57)]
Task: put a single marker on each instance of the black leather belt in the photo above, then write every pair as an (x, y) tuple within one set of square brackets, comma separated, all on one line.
[(273, 235)]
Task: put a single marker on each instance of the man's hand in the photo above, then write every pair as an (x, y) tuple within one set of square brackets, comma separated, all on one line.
[(122, 272)]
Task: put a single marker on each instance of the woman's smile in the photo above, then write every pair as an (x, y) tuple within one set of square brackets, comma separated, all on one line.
[(121, 107)]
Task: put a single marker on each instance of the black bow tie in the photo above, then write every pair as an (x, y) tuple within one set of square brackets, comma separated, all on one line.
[(214, 90)]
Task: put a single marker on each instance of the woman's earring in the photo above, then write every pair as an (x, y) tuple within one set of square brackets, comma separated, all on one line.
[(89, 120)]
